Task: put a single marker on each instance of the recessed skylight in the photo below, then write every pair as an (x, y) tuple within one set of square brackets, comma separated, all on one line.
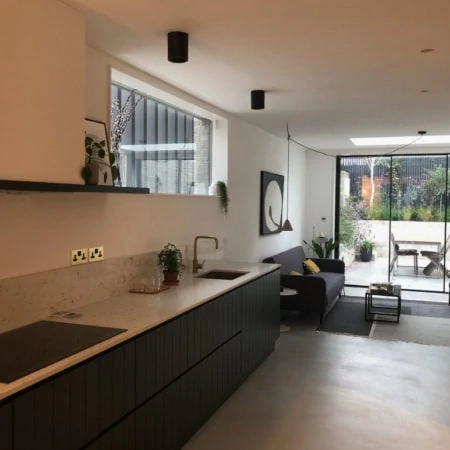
[(400, 140)]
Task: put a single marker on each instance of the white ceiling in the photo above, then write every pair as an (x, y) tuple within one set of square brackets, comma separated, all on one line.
[(333, 69)]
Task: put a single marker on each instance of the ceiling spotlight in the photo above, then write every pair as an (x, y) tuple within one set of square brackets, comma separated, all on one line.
[(177, 47), (427, 50), (258, 99)]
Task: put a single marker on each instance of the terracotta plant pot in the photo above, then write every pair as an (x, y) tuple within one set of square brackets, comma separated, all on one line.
[(171, 278)]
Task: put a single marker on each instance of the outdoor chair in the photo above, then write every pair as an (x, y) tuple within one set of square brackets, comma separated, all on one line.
[(403, 252), (436, 258)]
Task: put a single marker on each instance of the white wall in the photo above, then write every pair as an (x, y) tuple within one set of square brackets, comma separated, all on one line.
[(37, 230), (320, 186), (250, 151), (42, 96)]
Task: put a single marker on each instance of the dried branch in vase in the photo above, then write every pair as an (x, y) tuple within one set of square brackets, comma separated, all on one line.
[(121, 116)]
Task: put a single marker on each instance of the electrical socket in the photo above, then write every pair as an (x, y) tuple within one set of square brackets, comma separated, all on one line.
[(79, 256), (96, 254)]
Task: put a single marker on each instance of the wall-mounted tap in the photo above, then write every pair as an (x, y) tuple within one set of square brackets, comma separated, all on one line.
[(195, 264)]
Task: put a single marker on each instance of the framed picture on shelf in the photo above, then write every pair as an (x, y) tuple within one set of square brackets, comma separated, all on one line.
[(271, 207), (96, 130)]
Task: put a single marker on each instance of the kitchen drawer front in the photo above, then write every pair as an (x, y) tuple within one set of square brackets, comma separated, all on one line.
[(73, 408), (6, 421), (119, 437), (168, 420), (165, 353)]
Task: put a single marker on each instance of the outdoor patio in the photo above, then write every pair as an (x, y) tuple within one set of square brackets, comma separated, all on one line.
[(364, 273)]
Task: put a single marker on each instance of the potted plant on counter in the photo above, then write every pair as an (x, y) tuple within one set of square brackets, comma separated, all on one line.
[(366, 248), (170, 259)]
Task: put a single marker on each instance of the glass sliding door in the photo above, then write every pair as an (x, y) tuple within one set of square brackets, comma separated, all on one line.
[(364, 213), (392, 220), (418, 221)]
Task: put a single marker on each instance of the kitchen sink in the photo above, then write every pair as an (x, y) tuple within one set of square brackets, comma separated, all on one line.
[(222, 274)]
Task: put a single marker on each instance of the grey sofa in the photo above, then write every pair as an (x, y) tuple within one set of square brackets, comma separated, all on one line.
[(317, 292)]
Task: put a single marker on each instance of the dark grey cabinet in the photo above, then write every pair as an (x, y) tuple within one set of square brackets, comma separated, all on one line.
[(260, 320), (69, 410), (169, 419), (156, 390), (120, 437), (6, 426), (166, 352)]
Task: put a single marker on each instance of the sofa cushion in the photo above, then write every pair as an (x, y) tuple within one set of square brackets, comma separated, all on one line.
[(291, 259), (310, 266), (334, 283)]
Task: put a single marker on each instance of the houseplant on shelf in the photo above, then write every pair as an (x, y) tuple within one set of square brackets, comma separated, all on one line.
[(365, 250), (170, 259)]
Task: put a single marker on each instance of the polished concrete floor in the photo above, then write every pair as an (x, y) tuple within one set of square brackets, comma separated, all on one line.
[(321, 391)]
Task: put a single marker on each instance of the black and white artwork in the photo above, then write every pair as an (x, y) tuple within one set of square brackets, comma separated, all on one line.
[(271, 210)]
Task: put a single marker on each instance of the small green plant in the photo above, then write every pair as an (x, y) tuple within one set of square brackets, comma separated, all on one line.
[(222, 192), (367, 245), (323, 250), (170, 258)]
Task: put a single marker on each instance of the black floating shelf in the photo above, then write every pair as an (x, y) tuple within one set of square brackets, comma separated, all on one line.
[(38, 186)]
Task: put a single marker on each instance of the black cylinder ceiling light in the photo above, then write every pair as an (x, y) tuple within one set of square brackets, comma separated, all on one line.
[(177, 46), (258, 99)]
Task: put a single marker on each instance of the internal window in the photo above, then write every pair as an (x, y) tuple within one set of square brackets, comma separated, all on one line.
[(163, 148)]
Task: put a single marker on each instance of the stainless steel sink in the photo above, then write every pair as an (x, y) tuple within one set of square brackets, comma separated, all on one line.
[(222, 274)]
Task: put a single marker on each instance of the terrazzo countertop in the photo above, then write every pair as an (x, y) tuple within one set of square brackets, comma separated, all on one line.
[(138, 313)]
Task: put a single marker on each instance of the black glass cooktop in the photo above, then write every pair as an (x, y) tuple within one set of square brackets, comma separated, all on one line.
[(32, 347)]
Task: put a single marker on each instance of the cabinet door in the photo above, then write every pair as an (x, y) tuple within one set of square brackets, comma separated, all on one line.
[(33, 419), (6, 422), (168, 420), (260, 320), (164, 353), (120, 437), (71, 409)]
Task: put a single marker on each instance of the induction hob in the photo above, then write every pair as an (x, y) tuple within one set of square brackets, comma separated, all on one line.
[(32, 347)]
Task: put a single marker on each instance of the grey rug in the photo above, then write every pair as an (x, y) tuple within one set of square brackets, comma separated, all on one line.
[(421, 321), (413, 308), (347, 318)]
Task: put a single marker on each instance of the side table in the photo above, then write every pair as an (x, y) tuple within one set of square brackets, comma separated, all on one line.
[(285, 293), (379, 312)]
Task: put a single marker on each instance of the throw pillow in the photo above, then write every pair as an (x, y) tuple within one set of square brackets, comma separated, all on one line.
[(311, 266), (293, 272)]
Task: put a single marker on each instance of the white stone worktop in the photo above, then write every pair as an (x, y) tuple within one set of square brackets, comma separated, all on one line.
[(138, 313)]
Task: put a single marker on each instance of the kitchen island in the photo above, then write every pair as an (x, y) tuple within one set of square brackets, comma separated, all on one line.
[(184, 351)]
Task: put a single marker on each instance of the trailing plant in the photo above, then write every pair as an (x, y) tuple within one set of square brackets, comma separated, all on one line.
[(170, 258), (323, 250), (224, 198)]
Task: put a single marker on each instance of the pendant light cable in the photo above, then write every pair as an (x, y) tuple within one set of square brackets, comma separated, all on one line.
[(287, 226)]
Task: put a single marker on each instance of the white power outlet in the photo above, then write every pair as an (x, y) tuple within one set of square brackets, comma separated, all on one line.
[(79, 256), (96, 254)]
